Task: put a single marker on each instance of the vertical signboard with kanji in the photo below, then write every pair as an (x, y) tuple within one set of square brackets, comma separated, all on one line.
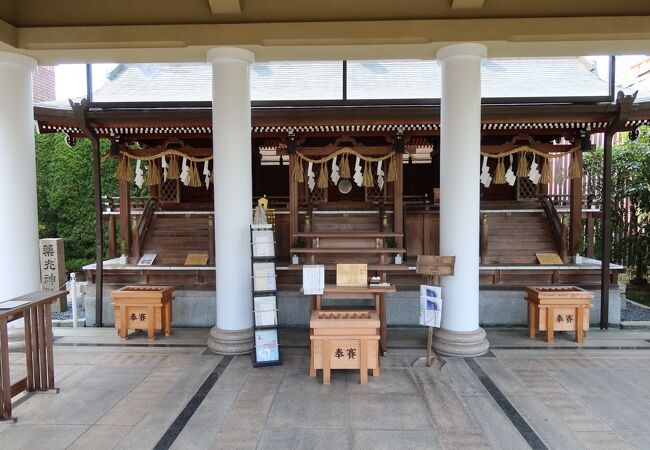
[(53, 275)]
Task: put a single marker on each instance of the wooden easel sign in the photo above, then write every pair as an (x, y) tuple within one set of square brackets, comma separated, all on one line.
[(433, 267)]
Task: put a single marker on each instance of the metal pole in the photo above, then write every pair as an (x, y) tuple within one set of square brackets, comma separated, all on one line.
[(99, 235), (73, 296), (606, 231), (624, 103), (80, 115)]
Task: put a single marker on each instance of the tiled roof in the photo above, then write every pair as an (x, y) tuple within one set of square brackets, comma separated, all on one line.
[(501, 78)]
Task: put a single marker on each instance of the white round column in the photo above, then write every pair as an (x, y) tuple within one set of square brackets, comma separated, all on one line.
[(231, 139), (19, 262), (460, 146)]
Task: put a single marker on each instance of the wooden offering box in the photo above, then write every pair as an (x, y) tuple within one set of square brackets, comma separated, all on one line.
[(344, 340), (558, 308), (143, 308)]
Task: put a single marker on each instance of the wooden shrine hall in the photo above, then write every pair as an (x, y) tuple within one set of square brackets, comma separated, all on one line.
[(362, 187), (350, 183)]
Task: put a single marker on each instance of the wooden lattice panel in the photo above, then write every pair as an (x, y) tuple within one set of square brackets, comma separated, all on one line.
[(169, 191)]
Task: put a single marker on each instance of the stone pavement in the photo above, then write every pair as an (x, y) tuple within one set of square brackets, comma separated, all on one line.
[(174, 394)]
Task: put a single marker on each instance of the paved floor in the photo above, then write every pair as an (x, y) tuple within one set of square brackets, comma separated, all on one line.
[(173, 394)]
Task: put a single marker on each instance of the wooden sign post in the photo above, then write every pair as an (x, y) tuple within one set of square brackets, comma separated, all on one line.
[(433, 267)]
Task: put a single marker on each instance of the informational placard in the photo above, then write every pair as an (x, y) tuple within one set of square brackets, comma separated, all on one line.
[(549, 259), (266, 346), (263, 245), (313, 279), (196, 259), (352, 274), (265, 311), (430, 305), (147, 259), (263, 276)]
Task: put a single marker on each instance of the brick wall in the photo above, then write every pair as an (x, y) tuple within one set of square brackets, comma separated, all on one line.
[(44, 87)]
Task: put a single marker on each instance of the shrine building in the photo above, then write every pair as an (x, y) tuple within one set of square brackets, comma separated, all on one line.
[(375, 133)]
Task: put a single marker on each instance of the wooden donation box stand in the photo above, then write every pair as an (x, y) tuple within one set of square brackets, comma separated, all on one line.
[(344, 340), (143, 308), (36, 310), (558, 308)]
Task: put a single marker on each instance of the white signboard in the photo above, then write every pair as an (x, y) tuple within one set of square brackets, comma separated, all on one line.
[(313, 279)]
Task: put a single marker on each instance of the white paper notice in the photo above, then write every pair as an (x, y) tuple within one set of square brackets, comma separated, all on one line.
[(313, 279), (263, 276), (263, 243), (265, 314)]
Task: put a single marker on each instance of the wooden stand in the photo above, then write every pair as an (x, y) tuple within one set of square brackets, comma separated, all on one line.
[(377, 293), (39, 354), (344, 340), (559, 308), (143, 308), (433, 267)]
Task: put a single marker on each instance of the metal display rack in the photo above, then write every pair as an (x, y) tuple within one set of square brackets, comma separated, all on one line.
[(264, 290)]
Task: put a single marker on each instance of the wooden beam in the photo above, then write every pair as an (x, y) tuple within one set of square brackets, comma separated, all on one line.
[(125, 212), (546, 148), (293, 200), (398, 190), (225, 6)]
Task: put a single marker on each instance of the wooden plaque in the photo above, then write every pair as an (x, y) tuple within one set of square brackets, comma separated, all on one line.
[(352, 274), (435, 265), (549, 258), (196, 259)]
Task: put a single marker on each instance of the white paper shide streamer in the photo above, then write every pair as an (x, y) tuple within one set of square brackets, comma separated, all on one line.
[(310, 176), (358, 176), (486, 178), (510, 175), (139, 174), (334, 176), (185, 172), (206, 174), (380, 175), (163, 164), (534, 174)]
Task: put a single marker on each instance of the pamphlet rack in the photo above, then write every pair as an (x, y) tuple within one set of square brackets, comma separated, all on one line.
[(264, 289)]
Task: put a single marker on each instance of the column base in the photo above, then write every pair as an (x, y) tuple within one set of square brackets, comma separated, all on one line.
[(231, 342), (460, 343)]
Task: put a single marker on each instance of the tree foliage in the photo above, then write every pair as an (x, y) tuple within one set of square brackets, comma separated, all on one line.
[(630, 219), (66, 206)]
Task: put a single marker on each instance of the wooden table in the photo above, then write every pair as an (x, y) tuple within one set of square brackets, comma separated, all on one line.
[(39, 355), (377, 293), (143, 308), (558, 308)]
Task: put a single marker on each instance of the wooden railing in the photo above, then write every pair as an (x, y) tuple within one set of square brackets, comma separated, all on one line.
[(559, 226), (113, 203), (140, 227)]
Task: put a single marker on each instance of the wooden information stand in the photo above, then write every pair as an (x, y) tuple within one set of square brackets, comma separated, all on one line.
[(36, 309), (344, 340), (558, 308), (433, 267), (143, 308)]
